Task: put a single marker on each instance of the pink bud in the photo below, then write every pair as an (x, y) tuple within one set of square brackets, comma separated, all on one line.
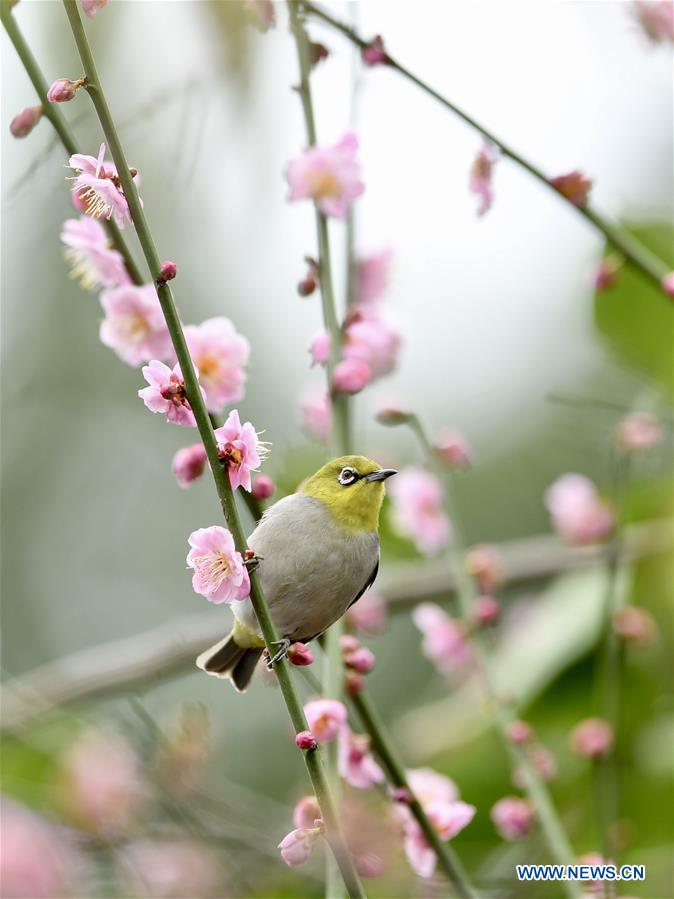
[(487, 610), (299, 654), (484, 564), (263, 487), (318, 52), (63, 90), (306, 812), (574, 186), (24, 122), (635, 625), (668, 284), (512, 817), (296, 846), (168, 271), (592, 738), (351, 375), (360, 660), (189, 464), (307, 286), (354, 683), (374, 54), (348, 643), (454, 451), (305, 740), (519, 732), (402, 795)]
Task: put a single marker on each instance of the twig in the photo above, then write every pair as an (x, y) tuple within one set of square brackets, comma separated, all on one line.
[(220, 475), (634, 251), (536, 790), (52, 112)]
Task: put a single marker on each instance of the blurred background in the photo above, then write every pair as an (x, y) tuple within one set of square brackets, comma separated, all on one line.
[(503, 339)]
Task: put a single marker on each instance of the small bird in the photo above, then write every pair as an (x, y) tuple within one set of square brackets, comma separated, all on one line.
[(318, 552)]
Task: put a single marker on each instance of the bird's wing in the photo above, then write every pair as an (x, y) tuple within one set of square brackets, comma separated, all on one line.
[(369, 583)]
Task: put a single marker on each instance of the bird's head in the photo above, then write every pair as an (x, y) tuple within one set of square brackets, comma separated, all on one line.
[(352, 488)]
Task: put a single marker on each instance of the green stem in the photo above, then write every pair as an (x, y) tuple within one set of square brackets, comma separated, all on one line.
[(312, 758), (634, 251), (447, 857), (536, 790), (52, 112)]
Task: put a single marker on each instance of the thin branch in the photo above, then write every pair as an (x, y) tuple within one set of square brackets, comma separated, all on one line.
[(536, 790), (52, 112), (139, 662), (634, 251), (220, 475)]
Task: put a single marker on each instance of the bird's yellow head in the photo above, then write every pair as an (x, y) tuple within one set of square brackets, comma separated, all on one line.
[(352, 488)]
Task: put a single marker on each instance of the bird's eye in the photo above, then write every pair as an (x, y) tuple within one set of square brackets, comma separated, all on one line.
[(347, 476)]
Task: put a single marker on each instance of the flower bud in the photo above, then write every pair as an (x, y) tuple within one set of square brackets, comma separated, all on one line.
[(263, 487), (635, 625), (305, 740), (592, 738), (360, 660), (402, 795), (299, 654), (374, 54), (354, 683), (513, 817), (389, 415), (348, 643), (519, 732), (91, 7), (667, 284), (167, 272), (574, 186), (307, 286), (24, 122), (318, 52), (63, 90), (189, 463), (453, 450), (351, 375), (487, 610), (483, 563), (306, 812)]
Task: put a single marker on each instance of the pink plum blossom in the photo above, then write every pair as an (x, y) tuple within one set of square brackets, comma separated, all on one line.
[(448, 819), (63, 90), (101, 783), (171, 869), (24, 122), (316, 414), (36, 860), (578, 514), (189, 463), (444, 640), (360, 660), (219, 570), (369, 614), (306, 812), (91, 7), (240, 449), (512, 817), (319, 348), (638, 431), (574, 186), (355, 761), (429, 786), (89, 251), (417, 510), (592, 738), (351, 376), (452, 448), (370, 340), (296, 846), (166, 393), (480, 181), (656, 17), (325, 717), (97, 182), (373, 273), (134, 325), (329, 176), (220, 355)]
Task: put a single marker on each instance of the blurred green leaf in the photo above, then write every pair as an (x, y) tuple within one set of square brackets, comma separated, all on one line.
[(635, 317)]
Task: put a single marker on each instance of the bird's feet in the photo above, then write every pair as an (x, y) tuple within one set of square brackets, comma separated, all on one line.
[(285, 644), (250, 560)]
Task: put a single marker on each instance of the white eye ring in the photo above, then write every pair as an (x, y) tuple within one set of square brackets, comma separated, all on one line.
[(347, 476)]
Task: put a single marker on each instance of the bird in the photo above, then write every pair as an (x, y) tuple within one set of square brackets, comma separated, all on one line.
[(317, 552)]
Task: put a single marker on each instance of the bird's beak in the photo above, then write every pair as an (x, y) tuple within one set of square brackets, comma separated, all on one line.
[(380, 475)]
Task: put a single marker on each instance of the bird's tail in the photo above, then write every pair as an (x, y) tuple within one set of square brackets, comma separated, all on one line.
[(228, 659)]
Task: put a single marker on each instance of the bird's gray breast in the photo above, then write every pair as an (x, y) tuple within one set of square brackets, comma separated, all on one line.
[(312, 569)]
